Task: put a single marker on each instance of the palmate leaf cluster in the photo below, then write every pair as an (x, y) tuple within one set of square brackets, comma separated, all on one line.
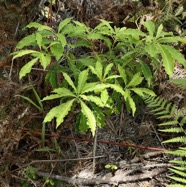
[(175, 123), (111, 71)]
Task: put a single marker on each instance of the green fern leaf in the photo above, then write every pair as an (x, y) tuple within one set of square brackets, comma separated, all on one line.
[(180, 162), (177, 140), (181, 180), (174, 122), (173, 130), (178, 172), (91, 120), (165, 117), (175, 185)]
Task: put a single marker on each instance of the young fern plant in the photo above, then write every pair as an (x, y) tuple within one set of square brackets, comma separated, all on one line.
[(175, 123)]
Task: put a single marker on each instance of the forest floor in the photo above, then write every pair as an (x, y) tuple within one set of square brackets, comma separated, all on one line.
[(130, 147)]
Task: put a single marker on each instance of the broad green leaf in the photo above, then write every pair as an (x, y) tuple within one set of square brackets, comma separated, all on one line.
[(151, 49), (39, 39), (136, 80), (93, 70), (150, 27), (26, 41), (117, 88), (39, 26), (146, 72), (88, 86), (171, 39), (105, 23), (80, 44), (132, 32), (53, 96), (175, 54), (91, 121), (82, 80), (62, 39), (168, 61), (63, 111), (83, 27), (113, 77), (27, 68), (132, 104), (104, 96), (64, 92), (57, 50), (24, 52), (70, 82), (64, 23), (95, 99), (141, 91), (123, 74), (44, 60), (99, 69), (108, 69), (159, 31), (52, 113)]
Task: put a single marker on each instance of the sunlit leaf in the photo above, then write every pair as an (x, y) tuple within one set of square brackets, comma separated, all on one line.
[(91, 121), (63, 111), (82, 80), (70, 82), (27, 68)]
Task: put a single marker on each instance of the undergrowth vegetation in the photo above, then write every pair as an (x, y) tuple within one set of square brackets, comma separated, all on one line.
[(102, 68), (117, 67), (175, 123)]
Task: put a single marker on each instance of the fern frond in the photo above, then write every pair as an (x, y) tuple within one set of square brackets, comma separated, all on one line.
[(178, 179), (178, 172), (173, 130), (164, 110), (176, 140), (178, 152), (180, 162)]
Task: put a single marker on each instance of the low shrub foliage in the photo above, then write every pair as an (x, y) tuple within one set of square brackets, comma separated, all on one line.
[(101, 67)]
